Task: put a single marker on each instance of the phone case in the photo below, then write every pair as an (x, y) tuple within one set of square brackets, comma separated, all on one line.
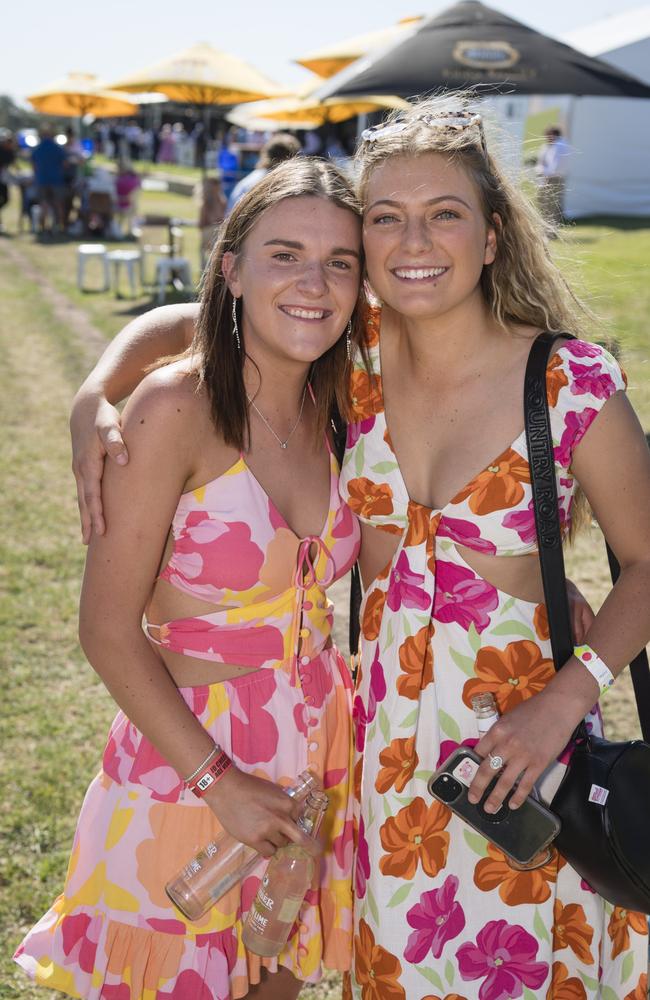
[(520, 833)]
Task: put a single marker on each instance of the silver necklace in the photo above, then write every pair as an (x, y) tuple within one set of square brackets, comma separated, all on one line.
[(283, 444)]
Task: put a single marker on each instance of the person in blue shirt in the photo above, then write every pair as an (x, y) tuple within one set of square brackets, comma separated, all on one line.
[(48, 159), (278, 149)]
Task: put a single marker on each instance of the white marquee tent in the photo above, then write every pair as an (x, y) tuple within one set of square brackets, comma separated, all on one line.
[(609, 173)]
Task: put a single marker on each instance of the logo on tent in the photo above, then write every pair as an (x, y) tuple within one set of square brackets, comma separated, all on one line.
[(486, 55)]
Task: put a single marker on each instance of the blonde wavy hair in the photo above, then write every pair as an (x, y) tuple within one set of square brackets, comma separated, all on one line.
[(523, 285)]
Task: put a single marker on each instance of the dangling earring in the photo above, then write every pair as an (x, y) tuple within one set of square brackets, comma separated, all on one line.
[(348, 340), (235, 328)]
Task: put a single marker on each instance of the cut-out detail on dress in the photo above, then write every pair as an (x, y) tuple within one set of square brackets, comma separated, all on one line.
[(491, 568)]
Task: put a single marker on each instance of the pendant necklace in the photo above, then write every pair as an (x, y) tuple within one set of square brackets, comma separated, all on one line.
[(283, 444)]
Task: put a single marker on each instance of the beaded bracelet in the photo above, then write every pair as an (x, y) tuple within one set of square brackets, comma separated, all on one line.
[(211, 773), (215, 750), (596, 667)]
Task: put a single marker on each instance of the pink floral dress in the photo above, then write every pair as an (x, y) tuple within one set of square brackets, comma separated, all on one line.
[(113, 934), (439, 911)]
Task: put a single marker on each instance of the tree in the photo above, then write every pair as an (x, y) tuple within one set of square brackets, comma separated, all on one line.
[(14, 117)]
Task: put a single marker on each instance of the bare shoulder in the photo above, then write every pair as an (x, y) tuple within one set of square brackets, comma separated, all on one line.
[(167, 404), (524, 335)]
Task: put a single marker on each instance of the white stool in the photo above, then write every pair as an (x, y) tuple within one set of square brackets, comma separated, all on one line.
[(86, 252), (172, 270), (36, 218), (131, 260)]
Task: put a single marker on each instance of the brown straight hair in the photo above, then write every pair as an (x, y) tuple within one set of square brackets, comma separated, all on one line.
[(219, 361)]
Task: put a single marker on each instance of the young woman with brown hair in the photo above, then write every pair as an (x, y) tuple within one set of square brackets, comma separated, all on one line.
[(224, 532)]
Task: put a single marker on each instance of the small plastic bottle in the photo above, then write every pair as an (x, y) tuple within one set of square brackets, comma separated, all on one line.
[(485, 710), (221, 864), (283, 887)]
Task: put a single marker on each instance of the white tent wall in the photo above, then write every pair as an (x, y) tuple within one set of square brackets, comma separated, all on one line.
[(609, 173)]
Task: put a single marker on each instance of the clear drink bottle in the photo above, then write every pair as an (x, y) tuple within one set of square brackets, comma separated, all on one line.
[(221, 864), (283, 887), (485, 710)]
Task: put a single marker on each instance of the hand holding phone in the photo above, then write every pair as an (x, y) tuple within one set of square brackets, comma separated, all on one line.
[(520, 833)]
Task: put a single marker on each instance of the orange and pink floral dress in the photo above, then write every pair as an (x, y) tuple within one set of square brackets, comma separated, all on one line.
[(439, 912), (113, 934)]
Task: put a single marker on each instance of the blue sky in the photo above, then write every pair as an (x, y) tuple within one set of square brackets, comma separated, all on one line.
[(46, 39)]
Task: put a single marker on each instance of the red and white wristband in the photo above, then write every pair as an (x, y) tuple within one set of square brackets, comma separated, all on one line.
[(596, 667), (209, 772)]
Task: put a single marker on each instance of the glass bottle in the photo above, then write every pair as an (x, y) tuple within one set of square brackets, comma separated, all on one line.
[(221, 864), (485, 710), (283, 887)]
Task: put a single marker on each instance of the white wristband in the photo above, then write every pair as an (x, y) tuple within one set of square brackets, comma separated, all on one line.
[(596, 667)]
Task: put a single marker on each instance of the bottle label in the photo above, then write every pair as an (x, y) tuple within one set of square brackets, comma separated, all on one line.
[(486, 723), (263, 899), (258, 920), (289, 909), (192, 868)]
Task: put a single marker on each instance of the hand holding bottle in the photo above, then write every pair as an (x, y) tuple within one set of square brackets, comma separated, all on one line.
[(284, 885), (223, 863), (256, 812)]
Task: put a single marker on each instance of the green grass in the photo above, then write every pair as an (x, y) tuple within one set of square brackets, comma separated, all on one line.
[(55, 712), (57, 257), (155, 169)]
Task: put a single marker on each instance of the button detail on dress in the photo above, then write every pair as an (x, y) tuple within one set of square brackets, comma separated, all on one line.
[(313, 746), (305, 660)]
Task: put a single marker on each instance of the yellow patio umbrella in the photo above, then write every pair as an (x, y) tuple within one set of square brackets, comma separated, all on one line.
[(203, 75), (306, 112), (332, 58), (82, 94)]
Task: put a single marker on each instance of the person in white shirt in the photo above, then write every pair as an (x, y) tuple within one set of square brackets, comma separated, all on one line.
[(552, 165)]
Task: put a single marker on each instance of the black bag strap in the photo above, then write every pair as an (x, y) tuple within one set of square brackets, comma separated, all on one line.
[(547, 521), (339, 430), (545, 502)]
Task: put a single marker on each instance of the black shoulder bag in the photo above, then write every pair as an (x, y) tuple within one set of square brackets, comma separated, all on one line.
[(603, 800)]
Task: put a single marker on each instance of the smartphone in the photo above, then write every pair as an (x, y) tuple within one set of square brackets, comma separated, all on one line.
[(520, 833)]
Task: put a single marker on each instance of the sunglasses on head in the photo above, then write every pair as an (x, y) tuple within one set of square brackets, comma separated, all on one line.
[(455, 121)]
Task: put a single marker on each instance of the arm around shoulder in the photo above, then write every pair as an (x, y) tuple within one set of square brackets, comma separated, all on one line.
[(95, 425)]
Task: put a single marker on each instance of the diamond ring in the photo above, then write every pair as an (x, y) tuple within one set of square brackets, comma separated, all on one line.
[(496, 761)]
